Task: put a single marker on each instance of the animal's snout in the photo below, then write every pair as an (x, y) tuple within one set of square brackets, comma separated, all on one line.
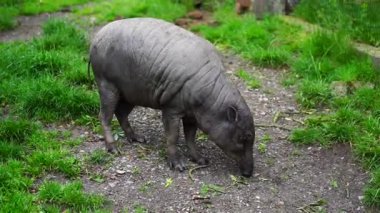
[(246, 172)]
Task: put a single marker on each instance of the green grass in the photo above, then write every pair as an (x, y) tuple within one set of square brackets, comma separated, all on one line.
[(46, 78), (262, 144), (139, 208), (53, 195), (266, 43), (24, 160), (252, 82), (359, 19), (9, 10), (313, 93), (106, 11), (8, 18), (100, 157), (317, 61), (211, 189)]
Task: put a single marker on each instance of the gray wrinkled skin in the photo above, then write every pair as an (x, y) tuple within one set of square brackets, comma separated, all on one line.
[(153, 63)]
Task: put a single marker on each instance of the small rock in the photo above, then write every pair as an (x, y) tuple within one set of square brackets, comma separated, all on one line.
[(92, 20), (360, 84), (196, 14), (182, 22), (339, 88), (120, 172), (112, 184), (66, 10), (360, 197)]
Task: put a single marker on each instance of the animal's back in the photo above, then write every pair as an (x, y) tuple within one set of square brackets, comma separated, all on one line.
[(152, 61)]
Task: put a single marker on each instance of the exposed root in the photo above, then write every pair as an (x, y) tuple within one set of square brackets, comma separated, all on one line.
[(273, 126), (193, 169)]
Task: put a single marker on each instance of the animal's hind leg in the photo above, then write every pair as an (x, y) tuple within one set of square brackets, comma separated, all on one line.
[(109, 97), (122, 111)]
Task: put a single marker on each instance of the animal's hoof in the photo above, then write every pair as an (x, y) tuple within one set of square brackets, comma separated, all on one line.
[(137, 138), (177, 163), (111, 148), (200, 160)]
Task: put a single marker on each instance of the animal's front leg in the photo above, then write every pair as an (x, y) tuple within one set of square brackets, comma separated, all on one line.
[(171, 126), (190, 130)]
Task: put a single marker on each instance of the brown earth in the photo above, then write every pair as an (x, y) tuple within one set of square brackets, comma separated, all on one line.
[(287, 178)]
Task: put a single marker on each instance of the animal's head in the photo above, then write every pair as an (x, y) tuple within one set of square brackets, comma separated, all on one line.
[(234, 134)]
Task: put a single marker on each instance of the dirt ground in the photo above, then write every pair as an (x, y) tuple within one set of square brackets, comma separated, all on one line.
[(287, 178)]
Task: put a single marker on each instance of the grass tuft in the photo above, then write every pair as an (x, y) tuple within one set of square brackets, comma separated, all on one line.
[(252, 82), (45, 80), (16, 130), (359, 19), (372, 191), (50, 99), (266, 43), (59, 34), (100, 157), (8, 18), (10, 150), (10, 9), (70, 195), (313, 94), (116, 9)]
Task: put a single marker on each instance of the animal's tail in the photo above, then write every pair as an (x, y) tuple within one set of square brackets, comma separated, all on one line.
[(88, 71)]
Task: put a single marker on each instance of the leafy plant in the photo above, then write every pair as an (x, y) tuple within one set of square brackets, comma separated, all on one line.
[(252, 83)]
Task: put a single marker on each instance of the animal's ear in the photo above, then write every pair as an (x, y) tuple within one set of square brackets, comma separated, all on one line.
[(232, 114)]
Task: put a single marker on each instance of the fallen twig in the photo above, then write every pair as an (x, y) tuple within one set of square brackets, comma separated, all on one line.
[(200, 197), (272, 126), (277, 116), (298, 121), (195, 168), (312, 207)]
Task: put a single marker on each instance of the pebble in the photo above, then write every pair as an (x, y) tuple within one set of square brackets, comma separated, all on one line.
[(112, 184), (120, 172)]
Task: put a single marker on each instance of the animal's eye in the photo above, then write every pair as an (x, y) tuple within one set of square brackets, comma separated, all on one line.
[(242, 138), (249, 136)]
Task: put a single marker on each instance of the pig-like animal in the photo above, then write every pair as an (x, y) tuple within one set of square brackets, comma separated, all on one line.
[(152, 63)]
